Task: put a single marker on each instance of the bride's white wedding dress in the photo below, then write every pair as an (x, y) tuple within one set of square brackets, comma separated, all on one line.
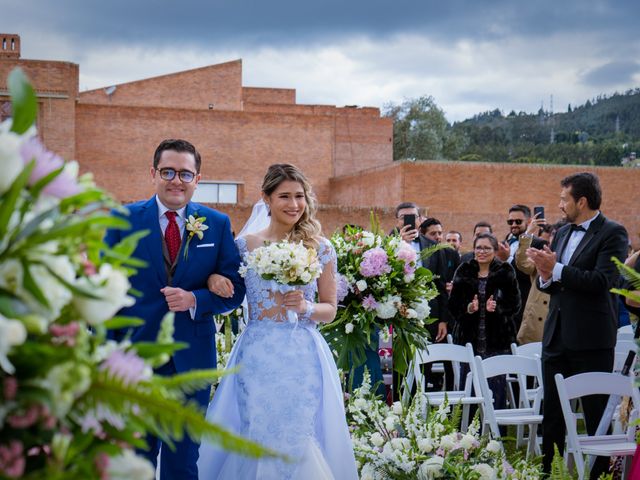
[(286, 395)]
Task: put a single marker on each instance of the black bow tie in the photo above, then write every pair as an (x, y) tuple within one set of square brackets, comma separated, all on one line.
[(577, 228)]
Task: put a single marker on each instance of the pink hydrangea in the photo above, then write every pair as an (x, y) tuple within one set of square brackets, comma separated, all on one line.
[(374, 263), (409, 256), (64, 185), (12, 461), (127, 366), (369, 303), (342, 288)]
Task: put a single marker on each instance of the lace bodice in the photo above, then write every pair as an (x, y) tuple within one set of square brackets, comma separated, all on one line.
[(264, 304)]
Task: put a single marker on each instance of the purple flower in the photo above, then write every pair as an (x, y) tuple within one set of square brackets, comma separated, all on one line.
[(374, 263), (342, 288), (369, 303), (127, 366), (64, 185)]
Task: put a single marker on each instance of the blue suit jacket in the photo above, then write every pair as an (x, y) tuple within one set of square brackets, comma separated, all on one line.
[(217, 254)]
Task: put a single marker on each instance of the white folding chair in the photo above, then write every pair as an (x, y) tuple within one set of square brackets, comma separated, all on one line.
[(625, 333), (528, 349), (596, 383), (462, 393), (520, 367), (439, 367), (623, 347), (531, 350)]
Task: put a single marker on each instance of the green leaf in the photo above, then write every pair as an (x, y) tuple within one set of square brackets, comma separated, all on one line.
[(37, 187), (10, 198), (122, 322), (192, 381), (23, 100), (31, 286), (150, 349), (70, 286)]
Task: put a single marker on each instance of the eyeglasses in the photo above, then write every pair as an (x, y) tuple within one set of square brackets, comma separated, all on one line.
[(483, 249), (517, 221), (168, 174)]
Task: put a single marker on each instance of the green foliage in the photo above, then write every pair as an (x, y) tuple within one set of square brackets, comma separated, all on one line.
[(23, 99)]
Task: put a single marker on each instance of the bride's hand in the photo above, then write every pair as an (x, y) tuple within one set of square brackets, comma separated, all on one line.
[(295, 301), (220, 285)]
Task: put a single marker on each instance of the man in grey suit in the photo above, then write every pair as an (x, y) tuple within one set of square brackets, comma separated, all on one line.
[(580, 331)]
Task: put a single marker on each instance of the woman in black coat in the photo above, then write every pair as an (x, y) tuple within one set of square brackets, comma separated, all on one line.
[(483, 301)]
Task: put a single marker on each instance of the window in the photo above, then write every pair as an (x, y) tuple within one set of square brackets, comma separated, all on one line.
[(216, 192)]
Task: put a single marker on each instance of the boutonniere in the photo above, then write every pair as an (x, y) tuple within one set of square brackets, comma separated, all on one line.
[(195, 227)]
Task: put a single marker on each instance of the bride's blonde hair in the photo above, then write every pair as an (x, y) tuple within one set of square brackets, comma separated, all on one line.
[(307, 229)]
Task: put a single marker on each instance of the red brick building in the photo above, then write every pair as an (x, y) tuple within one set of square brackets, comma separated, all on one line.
[(345, 151)]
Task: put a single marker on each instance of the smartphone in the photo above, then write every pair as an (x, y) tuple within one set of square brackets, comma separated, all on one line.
[(410, 219), (538, 209)]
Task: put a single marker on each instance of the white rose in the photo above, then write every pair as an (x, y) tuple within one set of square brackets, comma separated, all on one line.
[(12, 334), (409, 278), (390, 422), (486, 471), (467, 441), (425, 445), (397, 443), (11, 275), (448, 442), (493, 446), (397, 408), (411, 313), (111, 286), (128, 465), (362, 285), (377, 439), (348, 328), (367, 472), (360, 403), (431, 468), (10, 158), (368, 239)]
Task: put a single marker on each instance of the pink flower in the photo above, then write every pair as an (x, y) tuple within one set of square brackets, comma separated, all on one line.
[(9, 388), (127, 366), (102, 465), (64, 185), (26, 418), (369, 303), (374, 263), (65, 334), (409, 256), (342, 287), (12, 461)]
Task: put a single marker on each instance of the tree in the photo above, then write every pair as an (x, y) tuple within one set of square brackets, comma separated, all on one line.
[(421, 131)]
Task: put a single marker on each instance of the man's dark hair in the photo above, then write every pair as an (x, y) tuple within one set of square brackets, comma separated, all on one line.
[(407, 205), (490, 237), (482, 224), (521, 208), (456, 233), (584, 184), (179, 146), (429, 222)]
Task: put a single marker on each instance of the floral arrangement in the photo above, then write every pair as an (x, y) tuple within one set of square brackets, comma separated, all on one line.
[(414, 441), (286, 263), (381, 283), (74, 405)]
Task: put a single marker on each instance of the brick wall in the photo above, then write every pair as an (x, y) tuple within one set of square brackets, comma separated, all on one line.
[(269, 95), (217, 85), (56, 86)]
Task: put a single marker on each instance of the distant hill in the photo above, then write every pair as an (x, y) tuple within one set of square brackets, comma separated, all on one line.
[(602, 131)]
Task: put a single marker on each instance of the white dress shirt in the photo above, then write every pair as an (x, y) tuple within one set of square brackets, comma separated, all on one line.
[(575, 237), (180, 220)]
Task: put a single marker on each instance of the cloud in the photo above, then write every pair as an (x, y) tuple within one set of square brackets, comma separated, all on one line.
[(612, 74), (470, 56)]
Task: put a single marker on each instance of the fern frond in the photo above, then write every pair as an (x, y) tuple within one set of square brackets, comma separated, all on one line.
[(628, 273), (167, 417), (193, 381)]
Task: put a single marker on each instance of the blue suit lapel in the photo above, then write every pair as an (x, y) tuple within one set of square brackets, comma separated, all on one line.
[(153, 241), (181, 268)]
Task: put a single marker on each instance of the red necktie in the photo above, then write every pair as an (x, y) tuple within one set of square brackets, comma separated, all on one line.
[(172, 236)]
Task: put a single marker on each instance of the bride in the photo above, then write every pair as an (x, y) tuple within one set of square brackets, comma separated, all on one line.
[(286, 394)]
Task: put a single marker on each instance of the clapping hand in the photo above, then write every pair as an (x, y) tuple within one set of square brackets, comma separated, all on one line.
[(544, 261), (491, 304), (474, 305)]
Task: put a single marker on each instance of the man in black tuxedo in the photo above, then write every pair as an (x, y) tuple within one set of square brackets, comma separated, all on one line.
[(580, 331), (519, 218)]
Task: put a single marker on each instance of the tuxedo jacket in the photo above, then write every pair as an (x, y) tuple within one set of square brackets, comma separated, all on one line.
[(581, 307), (214, 253), (438, 264)]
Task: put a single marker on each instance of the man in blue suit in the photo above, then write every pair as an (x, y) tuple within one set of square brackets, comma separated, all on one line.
[(175, 279)]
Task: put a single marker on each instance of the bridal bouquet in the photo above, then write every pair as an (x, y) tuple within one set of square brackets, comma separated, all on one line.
[(74, 405), (285, 263), (381, 283)]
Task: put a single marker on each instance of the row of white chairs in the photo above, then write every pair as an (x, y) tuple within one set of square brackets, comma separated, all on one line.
[(522, 364)]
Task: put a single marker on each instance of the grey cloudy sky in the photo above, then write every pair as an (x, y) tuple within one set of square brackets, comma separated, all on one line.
[(471, 56)]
